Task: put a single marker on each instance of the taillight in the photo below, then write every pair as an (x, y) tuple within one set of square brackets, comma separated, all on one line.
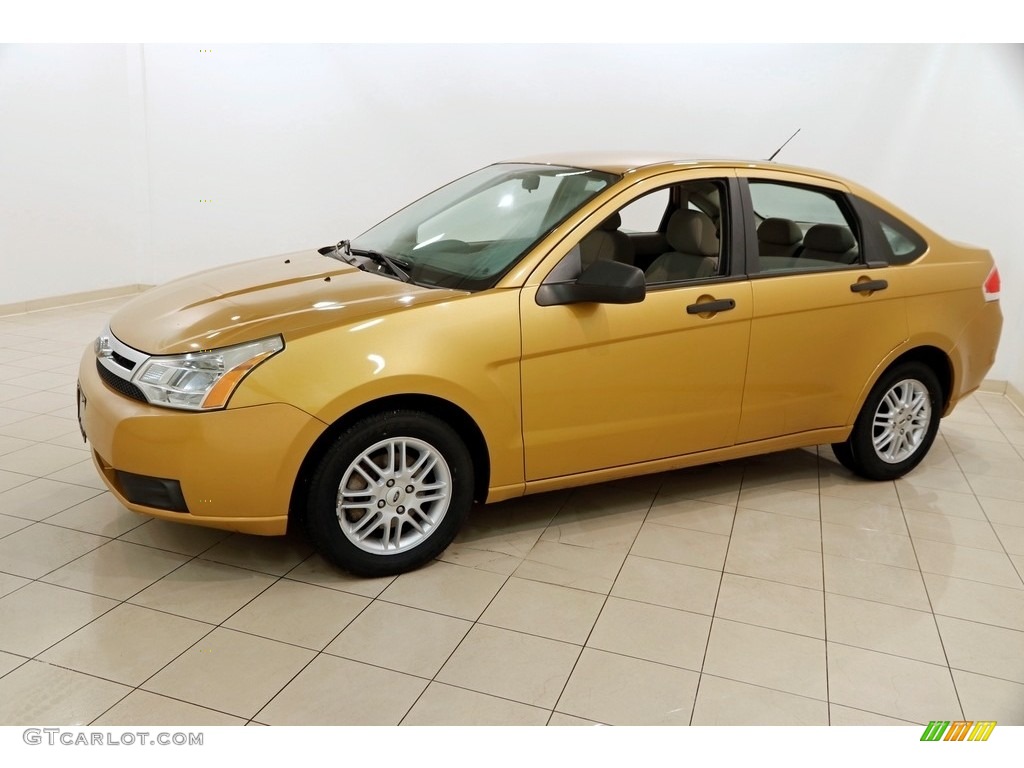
[(991, 285)]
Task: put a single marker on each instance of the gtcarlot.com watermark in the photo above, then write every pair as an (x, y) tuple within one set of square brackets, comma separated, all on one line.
[(66, 737)]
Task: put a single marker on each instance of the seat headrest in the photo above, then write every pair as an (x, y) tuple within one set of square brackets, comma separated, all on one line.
[(779, 232), (692, 232), (830, 238), (612, 223)]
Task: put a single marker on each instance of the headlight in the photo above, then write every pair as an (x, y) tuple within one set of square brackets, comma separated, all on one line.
[(200, 381)]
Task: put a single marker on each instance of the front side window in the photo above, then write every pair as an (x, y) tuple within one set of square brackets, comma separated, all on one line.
[(467, 234), (800, 229)]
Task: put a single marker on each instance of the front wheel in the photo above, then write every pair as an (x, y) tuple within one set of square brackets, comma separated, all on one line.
[(390, 494), (897, 424)]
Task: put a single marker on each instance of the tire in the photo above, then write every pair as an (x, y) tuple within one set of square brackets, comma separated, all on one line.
[(390, 493), (897, 425)]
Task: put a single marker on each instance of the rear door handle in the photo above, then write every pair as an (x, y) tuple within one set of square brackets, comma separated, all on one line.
[(869, 285), (719, 305)]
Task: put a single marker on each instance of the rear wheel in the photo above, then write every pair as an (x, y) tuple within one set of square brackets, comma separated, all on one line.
[(897, 424), (390, 494)]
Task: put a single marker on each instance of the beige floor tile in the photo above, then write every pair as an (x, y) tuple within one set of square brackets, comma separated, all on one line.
[(668, 584), (40, 499), (511, 665), (906, 689), (884, 628), (481, 559), (83, 473), (26, 629), (39, 402), (972, 432), (967, 563), (1011, 537), (37, 693), (681, 545), (144, 708), (9, 525), (693, 514), (772, 604), (10, 480), (453, 590), (429, 640), (8, 662), (510, 528), (755, 526), (767, 657), (988, 698), (557, 718), (976, 601), (546, 610), (35, 551), (1009, 467), (275, 555), (297, 613), (802, 504), (599, 528), (230, 672), (174, 537), (618, 690), (840, 715), (569, 566), (931, 526), (316, 570), (1004, 511), (204, 591), (102, 515), (845, 486), (333, 691), (11, 444), (728, 702), (774, 561), (127, 645), (652, 632), (117, 570), (863, 514), (1011, 489), (939, 478), (875, 546), (40, 459), (446, 705), (982, 648), (875, 581), (9, 583), (713, 483)]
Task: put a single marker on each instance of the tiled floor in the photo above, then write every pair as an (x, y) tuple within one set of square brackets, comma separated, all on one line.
[(770, 591)]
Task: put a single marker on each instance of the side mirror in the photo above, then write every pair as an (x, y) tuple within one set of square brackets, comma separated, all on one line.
[(603, 282)]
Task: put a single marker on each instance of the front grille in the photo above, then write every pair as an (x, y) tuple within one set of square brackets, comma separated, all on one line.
[(123, 361), (119, 385)]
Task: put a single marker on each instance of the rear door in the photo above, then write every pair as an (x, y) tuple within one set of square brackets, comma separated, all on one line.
[(824, 312)]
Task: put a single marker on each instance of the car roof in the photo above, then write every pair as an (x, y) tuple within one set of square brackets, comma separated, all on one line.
[(621, 163)]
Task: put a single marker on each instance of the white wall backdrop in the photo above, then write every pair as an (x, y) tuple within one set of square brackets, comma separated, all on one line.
[(108, 152)]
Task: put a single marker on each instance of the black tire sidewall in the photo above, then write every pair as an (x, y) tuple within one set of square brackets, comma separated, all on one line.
[(321, 516), (861, 443)]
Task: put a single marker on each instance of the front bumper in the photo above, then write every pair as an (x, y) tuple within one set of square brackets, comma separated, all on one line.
[(236, 467)]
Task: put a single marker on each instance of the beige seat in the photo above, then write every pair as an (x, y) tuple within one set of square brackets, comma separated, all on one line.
[(606, 243), (830, 242), (692, 236), (778, 238)]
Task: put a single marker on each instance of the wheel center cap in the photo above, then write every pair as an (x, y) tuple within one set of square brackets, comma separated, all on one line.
[(395, 496)]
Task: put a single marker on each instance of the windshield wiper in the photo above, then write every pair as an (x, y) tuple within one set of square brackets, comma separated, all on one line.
[(341, 251), (397, 268)]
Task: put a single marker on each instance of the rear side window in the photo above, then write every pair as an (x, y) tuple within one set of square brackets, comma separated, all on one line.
[(801, 228), (891, 239)]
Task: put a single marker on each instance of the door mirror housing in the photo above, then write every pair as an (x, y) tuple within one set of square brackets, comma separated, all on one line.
[(603, 282)]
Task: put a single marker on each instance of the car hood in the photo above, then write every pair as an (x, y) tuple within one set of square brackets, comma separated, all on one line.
[(292, 294)]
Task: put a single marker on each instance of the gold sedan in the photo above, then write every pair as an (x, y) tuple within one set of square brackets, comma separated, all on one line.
[(537, 325)]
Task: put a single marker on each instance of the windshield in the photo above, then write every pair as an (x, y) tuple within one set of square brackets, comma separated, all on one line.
[(467, 234)]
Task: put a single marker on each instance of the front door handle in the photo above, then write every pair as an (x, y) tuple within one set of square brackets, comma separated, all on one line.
[(869, 286), (708, 307)]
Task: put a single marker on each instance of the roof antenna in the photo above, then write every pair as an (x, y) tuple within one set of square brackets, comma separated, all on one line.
[(783, 144)]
